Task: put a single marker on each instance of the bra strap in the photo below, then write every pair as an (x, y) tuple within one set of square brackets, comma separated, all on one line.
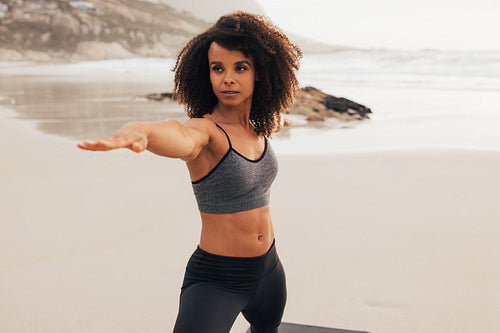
[(227, 136)]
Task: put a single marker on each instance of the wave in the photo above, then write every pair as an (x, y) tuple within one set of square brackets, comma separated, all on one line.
[(422, 62)]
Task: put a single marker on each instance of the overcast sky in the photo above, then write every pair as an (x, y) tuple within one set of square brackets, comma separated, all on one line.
[(413, 24)]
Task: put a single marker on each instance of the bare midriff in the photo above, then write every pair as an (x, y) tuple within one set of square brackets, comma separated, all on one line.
[(243, 234)]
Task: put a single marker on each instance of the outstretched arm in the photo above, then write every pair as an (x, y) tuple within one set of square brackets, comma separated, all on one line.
[(167, 138)]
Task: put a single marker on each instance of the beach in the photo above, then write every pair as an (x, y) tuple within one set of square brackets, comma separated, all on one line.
[(382, 242), (401, 239)]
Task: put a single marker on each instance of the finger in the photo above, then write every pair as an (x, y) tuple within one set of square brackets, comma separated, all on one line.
[(87, 145), (139, 146), (95, 145)]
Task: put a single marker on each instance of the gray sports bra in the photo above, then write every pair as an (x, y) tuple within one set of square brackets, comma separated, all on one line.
[(237, 183)]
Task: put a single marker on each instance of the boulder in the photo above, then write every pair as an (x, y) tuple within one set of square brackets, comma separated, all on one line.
[(65, 24), (317, 106), (161, 96), (10, 55), (101, 50)]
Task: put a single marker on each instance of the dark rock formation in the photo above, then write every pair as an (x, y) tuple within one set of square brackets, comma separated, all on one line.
[(318, 106), (312, 103), (161, 96)]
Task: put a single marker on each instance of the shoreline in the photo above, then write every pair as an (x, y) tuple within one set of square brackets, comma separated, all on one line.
[(7, 112), (111, 70)]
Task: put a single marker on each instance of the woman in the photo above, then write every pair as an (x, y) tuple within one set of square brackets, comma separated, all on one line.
[(235, 79)]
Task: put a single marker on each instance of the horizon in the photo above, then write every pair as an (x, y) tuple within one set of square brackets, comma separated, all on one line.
[(391, 24)]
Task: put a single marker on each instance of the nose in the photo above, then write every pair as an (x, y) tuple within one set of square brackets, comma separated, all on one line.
[(228, 79)]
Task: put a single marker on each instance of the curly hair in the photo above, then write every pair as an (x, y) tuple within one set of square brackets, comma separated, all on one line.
[(276, 59)]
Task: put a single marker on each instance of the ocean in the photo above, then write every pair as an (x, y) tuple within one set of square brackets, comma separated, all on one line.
[(420, 99)]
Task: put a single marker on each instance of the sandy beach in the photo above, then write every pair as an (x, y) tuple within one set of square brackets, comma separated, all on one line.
[(384, 225), (382, 242)]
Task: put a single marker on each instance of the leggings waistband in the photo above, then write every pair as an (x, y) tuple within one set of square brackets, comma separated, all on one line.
[(226, 266)]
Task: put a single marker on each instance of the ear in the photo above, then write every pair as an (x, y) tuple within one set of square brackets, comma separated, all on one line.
[(257, 77)]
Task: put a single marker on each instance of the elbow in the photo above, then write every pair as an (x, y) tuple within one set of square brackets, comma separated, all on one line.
[(190, 151)]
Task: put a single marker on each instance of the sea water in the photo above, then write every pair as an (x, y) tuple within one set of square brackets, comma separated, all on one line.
[(424, 99), (420, 99)]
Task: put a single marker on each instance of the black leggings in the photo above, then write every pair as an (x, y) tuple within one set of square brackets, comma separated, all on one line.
[(217, 288)]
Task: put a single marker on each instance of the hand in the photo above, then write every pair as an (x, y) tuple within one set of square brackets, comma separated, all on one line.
[(132, 136), (285, 121)]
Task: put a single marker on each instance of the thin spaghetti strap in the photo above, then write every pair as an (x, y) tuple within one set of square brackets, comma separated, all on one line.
[(227, 136)]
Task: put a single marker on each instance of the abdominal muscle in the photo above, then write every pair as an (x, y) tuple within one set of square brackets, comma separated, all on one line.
[(243, 234)]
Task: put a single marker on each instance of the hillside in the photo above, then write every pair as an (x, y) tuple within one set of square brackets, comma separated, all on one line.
[(96, 29), (62, 30)]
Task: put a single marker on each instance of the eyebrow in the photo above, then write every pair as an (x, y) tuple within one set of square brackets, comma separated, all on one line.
[(236, 63)]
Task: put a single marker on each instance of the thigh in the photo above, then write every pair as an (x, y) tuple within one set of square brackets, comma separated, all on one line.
[(265, 310), (206, 308)]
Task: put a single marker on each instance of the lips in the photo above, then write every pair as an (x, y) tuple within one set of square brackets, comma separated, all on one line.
[(229, 92)]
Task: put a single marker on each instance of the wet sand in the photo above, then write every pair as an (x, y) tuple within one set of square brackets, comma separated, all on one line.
[(382, 242)]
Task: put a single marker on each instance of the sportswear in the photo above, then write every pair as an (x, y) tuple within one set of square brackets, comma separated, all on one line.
[(217, 288), (237, 183)]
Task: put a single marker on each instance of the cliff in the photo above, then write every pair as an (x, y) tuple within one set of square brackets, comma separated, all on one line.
[(97, 29)]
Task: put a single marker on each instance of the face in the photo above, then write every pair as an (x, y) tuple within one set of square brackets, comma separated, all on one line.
[(232, 76)]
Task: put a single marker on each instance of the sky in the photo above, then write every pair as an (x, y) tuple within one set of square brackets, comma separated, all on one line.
[(399, 24)]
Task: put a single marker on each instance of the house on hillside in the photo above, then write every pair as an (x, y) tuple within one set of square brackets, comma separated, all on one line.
[(3, 10), (83, 6), (34, 10)]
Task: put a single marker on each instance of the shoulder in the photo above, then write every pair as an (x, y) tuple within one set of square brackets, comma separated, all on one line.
[(204, 126), (200, 123), (214, 142), (207, 128)]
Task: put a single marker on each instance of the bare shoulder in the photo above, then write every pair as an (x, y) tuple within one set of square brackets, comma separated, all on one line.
[(214, 144), (203, 125)]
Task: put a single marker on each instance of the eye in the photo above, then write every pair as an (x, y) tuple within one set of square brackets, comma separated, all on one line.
[(217, 69), (241, 68)]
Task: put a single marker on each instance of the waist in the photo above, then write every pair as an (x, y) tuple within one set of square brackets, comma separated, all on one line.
[(243, 234), (244, 267)]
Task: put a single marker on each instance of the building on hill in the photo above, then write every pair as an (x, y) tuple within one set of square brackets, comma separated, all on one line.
[(34, 10), (83, 6)]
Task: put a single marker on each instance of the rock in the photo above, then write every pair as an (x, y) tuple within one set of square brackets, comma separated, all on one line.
[(118, 29), (315, 117), (140, 37), (160, 96), (10, 55), (101, 50), (36, 56), (45, 37), (65, 24), (317, 106), (85, 29)]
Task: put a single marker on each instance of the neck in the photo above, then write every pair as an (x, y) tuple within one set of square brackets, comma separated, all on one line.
[(232, 115)]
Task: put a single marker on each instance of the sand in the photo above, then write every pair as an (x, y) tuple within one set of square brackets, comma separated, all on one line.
[(382, 242)]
